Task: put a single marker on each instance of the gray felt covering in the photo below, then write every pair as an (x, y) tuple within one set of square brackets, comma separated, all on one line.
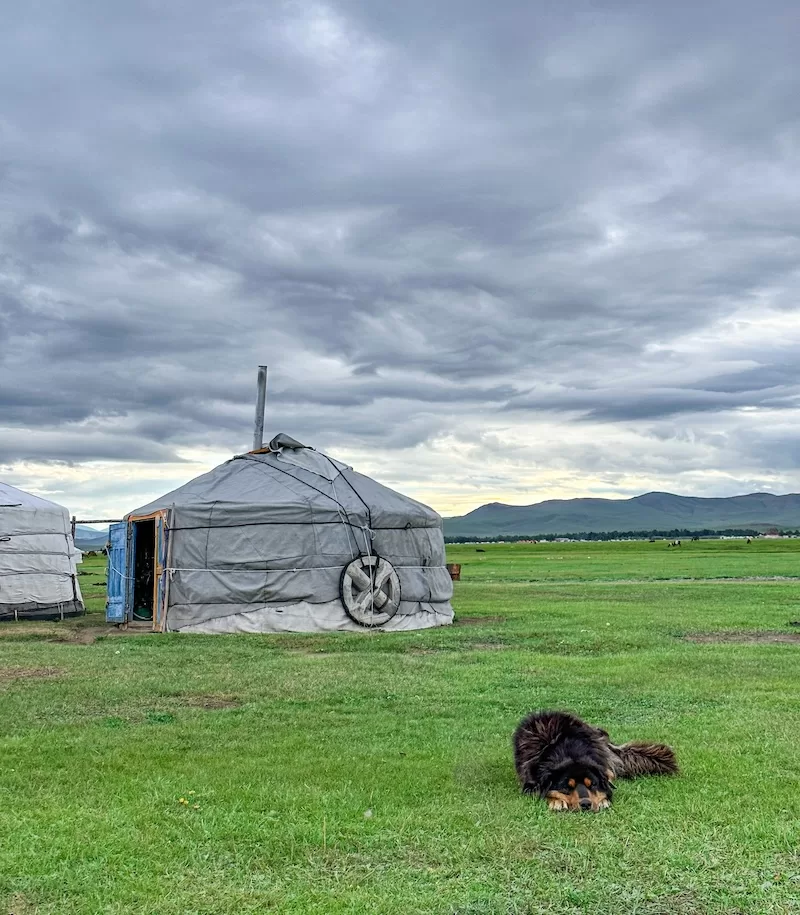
[(260, 542)]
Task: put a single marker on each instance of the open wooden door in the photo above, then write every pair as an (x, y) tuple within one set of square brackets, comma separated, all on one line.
[(162, 582), (118, 589), (147, 559)]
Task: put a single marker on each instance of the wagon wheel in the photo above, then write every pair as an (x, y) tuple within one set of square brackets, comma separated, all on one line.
[(370, 591)]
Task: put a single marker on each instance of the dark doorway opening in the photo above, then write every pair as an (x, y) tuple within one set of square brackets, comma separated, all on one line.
[(144, 569)]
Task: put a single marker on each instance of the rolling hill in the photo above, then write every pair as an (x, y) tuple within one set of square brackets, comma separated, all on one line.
[(661, 511), (89, 538)]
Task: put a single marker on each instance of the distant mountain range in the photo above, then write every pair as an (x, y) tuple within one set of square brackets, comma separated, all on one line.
[(89, 538), (661, 511)]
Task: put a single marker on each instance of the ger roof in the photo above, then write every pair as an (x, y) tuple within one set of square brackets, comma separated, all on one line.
[(296, 483), (11, 497)]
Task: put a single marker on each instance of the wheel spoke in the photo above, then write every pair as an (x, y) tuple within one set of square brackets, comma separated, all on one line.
[(370, 590)]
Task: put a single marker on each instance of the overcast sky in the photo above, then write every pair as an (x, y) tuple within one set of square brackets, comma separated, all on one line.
[(491, 251)]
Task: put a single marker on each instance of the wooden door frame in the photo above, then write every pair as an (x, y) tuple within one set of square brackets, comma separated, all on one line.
[(158, 569)]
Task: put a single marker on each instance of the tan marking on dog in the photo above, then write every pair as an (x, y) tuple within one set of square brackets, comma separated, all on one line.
[(571, 783), (557, 801), (560, 800), (587, 782)]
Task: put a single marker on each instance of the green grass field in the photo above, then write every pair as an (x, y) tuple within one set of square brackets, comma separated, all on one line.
[(373, 774)]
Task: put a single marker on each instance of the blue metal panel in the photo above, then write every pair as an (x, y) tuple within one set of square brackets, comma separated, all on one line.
[(118, 579)]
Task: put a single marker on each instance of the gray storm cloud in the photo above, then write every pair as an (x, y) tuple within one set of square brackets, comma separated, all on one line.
[(422, 216)]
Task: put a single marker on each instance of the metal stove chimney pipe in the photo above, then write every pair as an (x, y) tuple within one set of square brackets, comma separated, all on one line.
[(261, 400)]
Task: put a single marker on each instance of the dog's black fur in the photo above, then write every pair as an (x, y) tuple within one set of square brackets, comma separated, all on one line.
[(573, 764)]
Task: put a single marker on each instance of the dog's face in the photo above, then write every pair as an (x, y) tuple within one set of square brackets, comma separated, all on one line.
[(579, 788)]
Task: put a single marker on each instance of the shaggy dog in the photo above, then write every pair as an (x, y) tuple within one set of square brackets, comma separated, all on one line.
[(573, 765)]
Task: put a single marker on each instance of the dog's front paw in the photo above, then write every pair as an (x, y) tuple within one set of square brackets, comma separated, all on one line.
[(556, 803)]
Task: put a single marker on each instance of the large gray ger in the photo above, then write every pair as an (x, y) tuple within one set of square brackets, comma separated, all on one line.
[(284, 539)]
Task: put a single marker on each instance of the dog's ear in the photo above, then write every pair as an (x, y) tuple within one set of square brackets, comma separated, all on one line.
[(604, 778), (534, 776), (538, 778), (551, 778)]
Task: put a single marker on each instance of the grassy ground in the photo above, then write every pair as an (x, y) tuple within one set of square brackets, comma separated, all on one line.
[(372, 773), (628, 560)]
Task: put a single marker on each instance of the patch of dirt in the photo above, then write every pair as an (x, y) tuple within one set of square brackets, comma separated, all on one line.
[(675, 904), (210, 702), (477, 620), (30, 673), (21, 630), (665, 580), (312, 652), (745, 637), (461, 648), (88, 635), (19, 905)]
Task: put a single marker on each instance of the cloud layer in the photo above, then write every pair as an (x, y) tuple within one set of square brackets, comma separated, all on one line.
[(489, 251)]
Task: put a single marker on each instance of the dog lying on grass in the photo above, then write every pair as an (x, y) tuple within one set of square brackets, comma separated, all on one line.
[(573, 765)]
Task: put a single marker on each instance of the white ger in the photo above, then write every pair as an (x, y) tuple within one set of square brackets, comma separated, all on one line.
[(38, 560)]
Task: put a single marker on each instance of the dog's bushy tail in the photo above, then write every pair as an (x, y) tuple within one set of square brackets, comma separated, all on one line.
[(645, 759)]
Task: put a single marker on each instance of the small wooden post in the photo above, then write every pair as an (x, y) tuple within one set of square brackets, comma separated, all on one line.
[(454, 569)]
